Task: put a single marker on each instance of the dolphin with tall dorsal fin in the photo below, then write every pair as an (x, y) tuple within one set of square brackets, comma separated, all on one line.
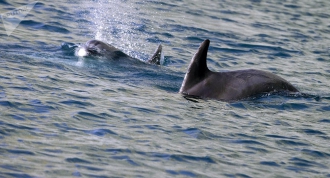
[(200, 82), (99, 48)]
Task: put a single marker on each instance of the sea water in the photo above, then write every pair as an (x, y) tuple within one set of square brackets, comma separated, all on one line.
[(66, 116)]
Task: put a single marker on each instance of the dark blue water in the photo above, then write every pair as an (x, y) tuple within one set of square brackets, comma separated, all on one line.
[(62, 116)]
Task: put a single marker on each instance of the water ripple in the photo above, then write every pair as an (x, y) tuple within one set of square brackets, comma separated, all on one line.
[(101, 132), (291, 143), (77, 160), (101, 118)]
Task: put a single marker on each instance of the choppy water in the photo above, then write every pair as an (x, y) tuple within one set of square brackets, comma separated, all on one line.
[(61, 117)]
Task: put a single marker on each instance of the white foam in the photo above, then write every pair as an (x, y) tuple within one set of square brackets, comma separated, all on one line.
[(82, 52), (80, 62)]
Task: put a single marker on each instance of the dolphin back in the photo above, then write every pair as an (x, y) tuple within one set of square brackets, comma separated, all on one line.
[(197, 69), (200, 82)]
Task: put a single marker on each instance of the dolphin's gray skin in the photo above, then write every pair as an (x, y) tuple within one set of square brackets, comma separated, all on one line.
[(200, 82), (99, 48)]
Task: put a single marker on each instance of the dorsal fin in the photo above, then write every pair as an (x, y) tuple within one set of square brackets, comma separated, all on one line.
[(197, 68), (157, 56)]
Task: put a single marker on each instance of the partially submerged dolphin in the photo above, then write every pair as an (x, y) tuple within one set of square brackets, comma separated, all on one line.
[(99, 48), (200, 82)]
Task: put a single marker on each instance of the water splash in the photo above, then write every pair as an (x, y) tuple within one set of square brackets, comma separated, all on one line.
[(119, 23)]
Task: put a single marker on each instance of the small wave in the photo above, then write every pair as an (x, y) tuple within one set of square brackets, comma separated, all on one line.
[(291, 143), (59, 28), (101, 132), (182, 173), (77, 160), (269, 163)]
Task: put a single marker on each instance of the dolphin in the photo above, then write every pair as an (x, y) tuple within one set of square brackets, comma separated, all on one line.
[(99, 48), (200, 82)]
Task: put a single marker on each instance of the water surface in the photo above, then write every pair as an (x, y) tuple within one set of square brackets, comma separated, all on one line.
[(66, 117)]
